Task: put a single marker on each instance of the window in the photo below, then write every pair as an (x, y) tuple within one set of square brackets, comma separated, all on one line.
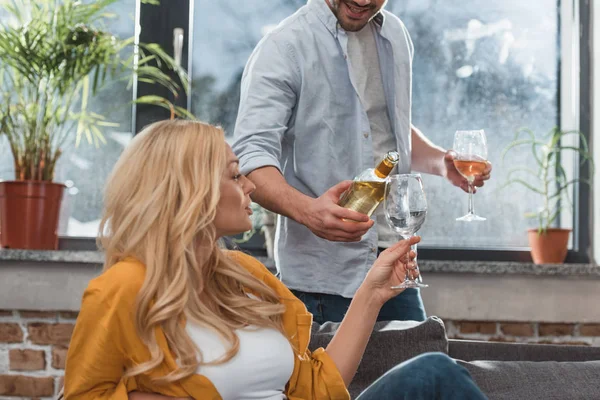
[(497, 66), (478, 65), (224, 35), (86, 166), (482, 65)]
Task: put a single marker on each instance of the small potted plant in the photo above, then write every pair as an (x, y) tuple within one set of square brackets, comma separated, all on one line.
[(548, 180), (54, 55)]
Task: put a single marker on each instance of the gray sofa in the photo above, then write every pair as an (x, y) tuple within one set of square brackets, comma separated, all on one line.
[(502, 370)]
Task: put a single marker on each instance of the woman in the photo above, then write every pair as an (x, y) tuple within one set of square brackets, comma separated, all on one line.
[(175, 315)]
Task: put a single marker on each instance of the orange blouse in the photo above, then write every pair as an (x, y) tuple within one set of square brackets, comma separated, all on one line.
[(105, 343)]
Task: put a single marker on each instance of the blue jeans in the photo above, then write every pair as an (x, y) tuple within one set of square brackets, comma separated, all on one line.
[(428, 376), (330, 307)]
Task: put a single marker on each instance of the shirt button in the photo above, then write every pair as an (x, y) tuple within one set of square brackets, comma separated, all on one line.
[(345, 56), (374, 249), (366, 135)]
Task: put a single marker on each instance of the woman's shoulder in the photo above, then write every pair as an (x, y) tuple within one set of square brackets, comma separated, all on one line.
[(250, 263), (256, 268), (120, 283)]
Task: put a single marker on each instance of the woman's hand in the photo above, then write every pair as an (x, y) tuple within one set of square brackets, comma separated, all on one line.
[(390, 270)]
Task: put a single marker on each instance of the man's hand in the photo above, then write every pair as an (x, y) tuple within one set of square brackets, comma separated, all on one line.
[(329, 221), (458, 180)]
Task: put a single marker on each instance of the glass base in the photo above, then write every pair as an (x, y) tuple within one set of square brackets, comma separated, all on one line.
[(471, 217), (410, 284)]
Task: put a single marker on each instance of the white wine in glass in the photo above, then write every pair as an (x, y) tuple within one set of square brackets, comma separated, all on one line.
[(405, 211), (470, 161)]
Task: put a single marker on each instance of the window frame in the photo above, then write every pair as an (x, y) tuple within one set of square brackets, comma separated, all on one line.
[(574, 92), (156, 25), (584, 234)]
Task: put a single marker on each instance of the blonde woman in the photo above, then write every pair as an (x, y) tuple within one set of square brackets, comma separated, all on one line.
[(175, 315)]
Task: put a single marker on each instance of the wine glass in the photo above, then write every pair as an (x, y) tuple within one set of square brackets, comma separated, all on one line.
[(470, 162), (405, 210)]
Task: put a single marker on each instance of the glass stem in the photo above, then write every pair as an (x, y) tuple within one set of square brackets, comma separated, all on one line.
[(471, 207), (414, 248), (408, 276)]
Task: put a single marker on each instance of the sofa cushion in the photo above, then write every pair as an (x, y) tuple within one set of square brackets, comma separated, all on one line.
[(547, 380), (471, 350), (390, 344)]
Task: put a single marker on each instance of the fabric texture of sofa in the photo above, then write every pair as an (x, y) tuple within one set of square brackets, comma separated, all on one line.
[(502, 370)]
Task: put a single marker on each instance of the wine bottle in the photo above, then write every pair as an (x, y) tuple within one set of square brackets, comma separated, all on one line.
[(368, 188)]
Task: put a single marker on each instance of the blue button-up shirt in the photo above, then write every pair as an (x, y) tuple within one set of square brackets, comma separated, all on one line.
[(300, 112)]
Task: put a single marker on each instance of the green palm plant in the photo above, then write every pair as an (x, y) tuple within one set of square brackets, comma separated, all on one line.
[(54, 55), (548, 178)]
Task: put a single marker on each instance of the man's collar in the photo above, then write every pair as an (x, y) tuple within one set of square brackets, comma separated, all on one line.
[(321, 8), (379, 18)]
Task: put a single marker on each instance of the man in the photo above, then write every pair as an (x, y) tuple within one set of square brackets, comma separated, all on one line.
[(325, 95)]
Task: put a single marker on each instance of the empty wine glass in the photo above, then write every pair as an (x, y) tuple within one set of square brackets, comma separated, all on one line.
[(405, 210), (470, 162)]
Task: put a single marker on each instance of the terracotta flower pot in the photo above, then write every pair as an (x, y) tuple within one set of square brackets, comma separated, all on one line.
[(29, 214), (549, 247)]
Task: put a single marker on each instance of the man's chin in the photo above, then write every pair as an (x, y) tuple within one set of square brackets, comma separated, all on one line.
[(353, 26)]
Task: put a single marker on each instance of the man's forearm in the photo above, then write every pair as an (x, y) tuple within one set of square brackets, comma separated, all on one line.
[(426, 157), (275, 194)]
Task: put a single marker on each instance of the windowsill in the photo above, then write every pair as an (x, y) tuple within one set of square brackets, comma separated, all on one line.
[(469, 291), (58, 256), (426, 266)]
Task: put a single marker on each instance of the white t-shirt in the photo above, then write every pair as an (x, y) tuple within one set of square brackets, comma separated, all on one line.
[(260, 369), (366, 75)]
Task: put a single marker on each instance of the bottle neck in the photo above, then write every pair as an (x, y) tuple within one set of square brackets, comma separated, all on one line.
[(384, 168)]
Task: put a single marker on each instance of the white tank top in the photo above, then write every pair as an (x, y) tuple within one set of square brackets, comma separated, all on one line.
[(366, 73), (260, 369)]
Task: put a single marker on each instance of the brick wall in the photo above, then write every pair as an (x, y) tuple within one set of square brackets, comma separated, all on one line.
[(33, 345), (525, 332), (33, 348)]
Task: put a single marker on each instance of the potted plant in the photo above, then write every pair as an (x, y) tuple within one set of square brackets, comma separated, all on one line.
[(549, 181), (54, 55)]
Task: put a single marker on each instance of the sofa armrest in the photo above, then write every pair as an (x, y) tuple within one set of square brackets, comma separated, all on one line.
[(469, 350)]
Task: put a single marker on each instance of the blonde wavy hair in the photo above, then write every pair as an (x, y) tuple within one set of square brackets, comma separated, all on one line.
[(160, 204)]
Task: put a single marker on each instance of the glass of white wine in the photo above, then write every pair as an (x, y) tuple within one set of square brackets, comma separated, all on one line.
[(470, 161), (405, 211)]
